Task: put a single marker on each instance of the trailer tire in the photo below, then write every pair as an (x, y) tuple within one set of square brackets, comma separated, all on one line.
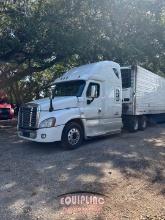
[(142, 123), (133, 124), (72, 136)]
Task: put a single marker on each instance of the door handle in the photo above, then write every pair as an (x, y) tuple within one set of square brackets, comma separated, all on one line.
[(99, 110)]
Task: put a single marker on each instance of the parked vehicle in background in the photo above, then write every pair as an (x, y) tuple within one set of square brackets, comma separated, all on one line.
[(92, 100), (6, 109)]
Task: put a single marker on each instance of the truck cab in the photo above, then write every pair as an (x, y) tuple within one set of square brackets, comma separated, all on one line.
[(86, 102)]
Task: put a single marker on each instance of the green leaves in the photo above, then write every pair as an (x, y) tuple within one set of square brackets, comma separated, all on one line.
[(36, 35)]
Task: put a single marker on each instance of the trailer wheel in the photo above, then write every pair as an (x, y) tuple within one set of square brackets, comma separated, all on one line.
[(133, 124), (72, 136), (142, 123)]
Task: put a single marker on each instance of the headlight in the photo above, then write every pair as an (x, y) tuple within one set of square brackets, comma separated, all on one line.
[(48, 123), (11, 110)]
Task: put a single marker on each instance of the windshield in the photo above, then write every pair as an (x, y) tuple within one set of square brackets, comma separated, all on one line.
[(70, 88)]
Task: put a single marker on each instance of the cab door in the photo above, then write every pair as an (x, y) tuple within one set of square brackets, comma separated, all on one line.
[(110, 117), (92, 108)]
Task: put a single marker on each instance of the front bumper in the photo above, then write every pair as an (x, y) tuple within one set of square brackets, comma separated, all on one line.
[(43, 135)]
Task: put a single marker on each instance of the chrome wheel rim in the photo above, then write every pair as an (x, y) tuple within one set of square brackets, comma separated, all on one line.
[(73, 136)]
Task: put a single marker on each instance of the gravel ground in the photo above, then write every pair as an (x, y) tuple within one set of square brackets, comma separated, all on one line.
[(129, 169)]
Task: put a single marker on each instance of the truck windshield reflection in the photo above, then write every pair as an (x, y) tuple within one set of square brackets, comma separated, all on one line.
[(70, 88)]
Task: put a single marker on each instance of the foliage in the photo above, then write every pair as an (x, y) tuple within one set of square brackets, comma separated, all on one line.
[(39, 36)]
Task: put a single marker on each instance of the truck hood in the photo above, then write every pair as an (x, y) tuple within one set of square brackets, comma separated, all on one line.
[(59, 103)]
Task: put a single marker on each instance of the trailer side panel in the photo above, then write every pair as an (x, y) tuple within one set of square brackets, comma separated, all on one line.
[(150, 93)]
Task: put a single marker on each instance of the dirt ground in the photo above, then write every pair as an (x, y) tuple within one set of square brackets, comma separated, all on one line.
[(129, 169)]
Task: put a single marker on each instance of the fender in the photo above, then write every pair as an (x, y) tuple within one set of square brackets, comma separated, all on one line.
[(63, 116)]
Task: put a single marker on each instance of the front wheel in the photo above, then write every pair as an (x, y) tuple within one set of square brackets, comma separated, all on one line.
[(72, 136)]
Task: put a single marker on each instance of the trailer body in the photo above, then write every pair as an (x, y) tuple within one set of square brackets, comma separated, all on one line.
[(143, 91), (143, 95)]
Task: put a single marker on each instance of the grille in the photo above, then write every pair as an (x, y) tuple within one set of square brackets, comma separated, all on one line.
[(28, 117)]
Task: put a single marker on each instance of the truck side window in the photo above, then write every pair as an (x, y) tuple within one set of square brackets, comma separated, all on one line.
[(117, 95), (97, 89)]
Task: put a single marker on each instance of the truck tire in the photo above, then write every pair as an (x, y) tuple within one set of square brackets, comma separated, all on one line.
[(133, 124), (142, 123), (72, 136)]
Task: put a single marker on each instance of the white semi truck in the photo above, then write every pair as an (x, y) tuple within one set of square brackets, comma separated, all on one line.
[(93, 100)]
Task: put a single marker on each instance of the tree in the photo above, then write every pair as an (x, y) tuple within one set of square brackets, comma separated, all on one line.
[(38, 35)]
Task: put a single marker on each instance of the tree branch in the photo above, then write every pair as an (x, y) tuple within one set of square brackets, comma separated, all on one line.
[(6, 81)]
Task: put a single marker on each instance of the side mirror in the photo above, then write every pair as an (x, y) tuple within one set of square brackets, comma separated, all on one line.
[(50, 91), (93, 92), (51, 98)]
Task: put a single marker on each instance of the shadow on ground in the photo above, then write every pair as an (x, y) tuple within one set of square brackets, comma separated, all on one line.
[(33, 175)]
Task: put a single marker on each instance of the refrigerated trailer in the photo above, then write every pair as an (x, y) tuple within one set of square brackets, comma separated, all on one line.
[(93, 100), (143, 97)]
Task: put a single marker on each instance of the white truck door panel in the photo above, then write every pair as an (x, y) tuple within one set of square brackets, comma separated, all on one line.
[(92, 111), (110, 119)]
